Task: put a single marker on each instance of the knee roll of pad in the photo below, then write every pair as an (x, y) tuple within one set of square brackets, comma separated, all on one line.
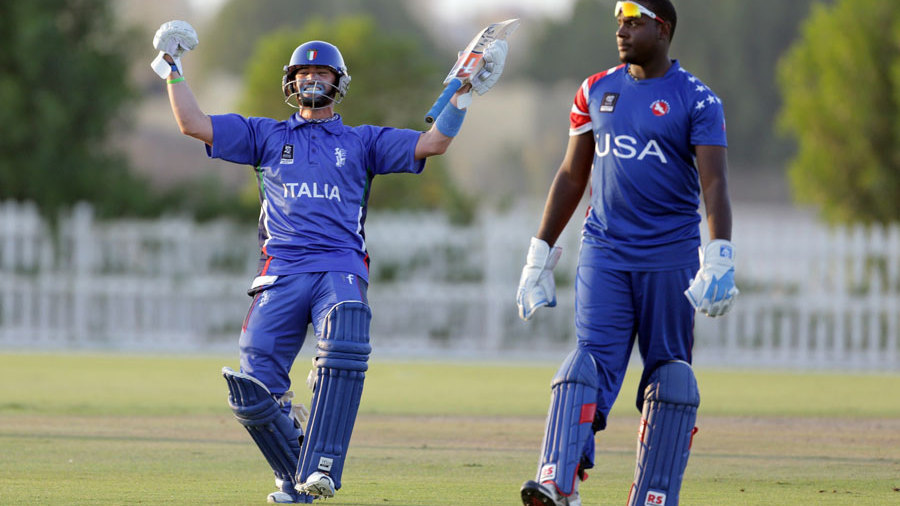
[(276, 434), (341, 364), (569, 429), (671, 399)]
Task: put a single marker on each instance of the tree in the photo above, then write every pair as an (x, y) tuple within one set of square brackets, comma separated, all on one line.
[(389, 74), (841, 88), (62, 84)]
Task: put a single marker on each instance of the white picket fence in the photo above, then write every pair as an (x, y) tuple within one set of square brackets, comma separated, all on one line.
[(812, 296)]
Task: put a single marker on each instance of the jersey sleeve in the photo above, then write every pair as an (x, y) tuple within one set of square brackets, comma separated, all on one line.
[(237, 139), (393, 150), (580, 116), (708, 120)]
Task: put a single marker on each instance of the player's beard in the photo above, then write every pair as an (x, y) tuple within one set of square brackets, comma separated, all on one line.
[(630, 58), (316, 94)]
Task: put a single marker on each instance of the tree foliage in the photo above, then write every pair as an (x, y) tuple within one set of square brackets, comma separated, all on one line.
[(390, 76), (62, 85), (841, 87)]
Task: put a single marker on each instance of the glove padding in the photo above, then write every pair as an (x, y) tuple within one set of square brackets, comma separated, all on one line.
[(712, 292), (536, 286), (173, 38), (494, 59)]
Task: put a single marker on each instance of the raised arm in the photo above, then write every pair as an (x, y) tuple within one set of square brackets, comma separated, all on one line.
[(173, 39), (192, 121), (434, 141), (438, 138)]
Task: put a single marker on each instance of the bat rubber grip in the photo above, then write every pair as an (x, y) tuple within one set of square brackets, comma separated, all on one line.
[(442, 101)]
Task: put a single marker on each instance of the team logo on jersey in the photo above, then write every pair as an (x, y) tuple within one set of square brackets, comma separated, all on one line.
[(340, 156), (287, 154), (311, 54), (608, 102), (627, 147), (311, 191), (660, 108)]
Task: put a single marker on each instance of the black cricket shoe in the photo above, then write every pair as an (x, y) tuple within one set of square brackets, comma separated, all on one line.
[(535, 494)]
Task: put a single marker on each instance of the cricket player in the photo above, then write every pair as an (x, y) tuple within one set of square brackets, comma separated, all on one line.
[(315, 175), (649, 138)]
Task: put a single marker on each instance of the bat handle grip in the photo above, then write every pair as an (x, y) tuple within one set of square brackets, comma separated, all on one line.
[(442, 101)]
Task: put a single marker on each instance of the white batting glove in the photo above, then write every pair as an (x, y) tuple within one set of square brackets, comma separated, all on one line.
[(712, 292), (494, 60), (173, 38), (536, 286)]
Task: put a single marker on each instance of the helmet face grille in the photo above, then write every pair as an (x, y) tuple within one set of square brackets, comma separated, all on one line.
[(317, 52)]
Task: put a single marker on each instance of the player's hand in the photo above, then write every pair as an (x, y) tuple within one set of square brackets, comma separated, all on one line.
[(173, 38), (536, 286), (494, 59), (713, 292)]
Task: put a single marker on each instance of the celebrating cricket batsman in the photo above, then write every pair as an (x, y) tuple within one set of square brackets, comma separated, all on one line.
[(315, 175), (649, 137)]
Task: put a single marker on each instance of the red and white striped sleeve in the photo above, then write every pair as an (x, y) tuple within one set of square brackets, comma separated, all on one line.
[(580, 116)]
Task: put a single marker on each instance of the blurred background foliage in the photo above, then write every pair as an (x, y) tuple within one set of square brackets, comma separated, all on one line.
[(810, 84), (841, 85), (57, 57), (65, 92)]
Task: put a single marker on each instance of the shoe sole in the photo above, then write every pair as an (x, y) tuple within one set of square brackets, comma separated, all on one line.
[(532, 495), (320, 488)]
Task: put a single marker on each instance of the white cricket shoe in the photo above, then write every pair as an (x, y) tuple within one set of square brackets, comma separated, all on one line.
[(280, 497), (317, 484), (284, 495), (538, 494)]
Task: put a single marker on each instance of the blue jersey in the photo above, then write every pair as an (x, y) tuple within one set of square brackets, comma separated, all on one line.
[(314, 182), (645, 190)]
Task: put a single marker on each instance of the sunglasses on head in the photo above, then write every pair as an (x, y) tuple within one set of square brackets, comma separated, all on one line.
[(635, 10)]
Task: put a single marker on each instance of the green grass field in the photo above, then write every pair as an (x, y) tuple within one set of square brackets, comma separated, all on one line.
[(111, 429)]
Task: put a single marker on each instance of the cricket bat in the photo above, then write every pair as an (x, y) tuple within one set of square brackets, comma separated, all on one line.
[(470, 63)]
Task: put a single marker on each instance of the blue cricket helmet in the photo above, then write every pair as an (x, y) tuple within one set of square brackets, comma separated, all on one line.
[(317, 52)]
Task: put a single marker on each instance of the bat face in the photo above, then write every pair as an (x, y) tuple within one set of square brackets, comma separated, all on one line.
[(469, 60), (467, 66)]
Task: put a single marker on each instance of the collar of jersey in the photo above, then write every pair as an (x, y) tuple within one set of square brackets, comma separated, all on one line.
[(334, 126), (673, 70)]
